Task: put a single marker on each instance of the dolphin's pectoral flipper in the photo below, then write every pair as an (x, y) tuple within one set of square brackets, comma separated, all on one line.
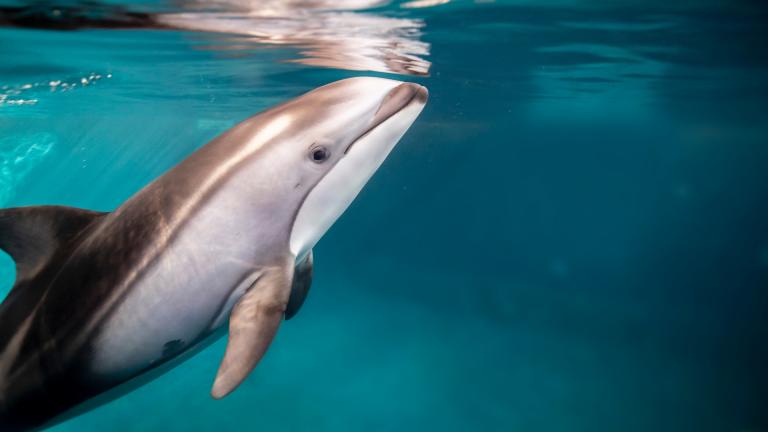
[(31, 235), (302, 279), (252, 326)]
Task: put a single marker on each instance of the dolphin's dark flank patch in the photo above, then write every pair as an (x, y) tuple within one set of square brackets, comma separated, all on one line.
[(302, 280)]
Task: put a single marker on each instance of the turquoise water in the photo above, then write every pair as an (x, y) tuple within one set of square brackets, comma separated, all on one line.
[(572, 237)]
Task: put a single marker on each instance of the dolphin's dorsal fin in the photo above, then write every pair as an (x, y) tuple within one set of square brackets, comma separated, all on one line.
[(31, 235), (302, 279), (252, 326)]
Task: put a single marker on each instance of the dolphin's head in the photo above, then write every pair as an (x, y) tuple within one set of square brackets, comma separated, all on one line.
[(340, 135), (366, 117)]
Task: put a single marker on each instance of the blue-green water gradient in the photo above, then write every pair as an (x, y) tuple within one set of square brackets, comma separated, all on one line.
[(572, 237)]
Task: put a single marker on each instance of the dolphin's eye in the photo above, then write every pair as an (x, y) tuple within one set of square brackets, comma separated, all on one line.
[(319, 154)]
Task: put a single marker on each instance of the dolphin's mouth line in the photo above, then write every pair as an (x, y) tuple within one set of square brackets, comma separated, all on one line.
[(397, 99)]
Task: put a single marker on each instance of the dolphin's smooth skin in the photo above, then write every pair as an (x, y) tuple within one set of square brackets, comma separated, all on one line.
[(101, 299)]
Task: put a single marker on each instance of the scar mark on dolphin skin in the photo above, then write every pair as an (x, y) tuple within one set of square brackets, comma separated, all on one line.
[(172, 348)]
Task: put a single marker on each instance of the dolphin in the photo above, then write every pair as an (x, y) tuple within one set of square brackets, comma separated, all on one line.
[(226, 236)]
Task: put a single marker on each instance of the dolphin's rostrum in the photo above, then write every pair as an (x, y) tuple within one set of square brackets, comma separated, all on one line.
[(225, 236)]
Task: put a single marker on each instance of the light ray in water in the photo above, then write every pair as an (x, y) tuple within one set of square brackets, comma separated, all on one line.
[(18, 156)]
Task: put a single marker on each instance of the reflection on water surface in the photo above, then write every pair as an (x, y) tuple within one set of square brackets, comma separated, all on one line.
[(327, 34)]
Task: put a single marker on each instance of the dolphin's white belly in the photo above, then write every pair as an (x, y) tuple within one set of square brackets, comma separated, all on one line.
[(188, 291)]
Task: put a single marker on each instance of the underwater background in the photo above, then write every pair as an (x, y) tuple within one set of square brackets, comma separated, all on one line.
[(572, 237)]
